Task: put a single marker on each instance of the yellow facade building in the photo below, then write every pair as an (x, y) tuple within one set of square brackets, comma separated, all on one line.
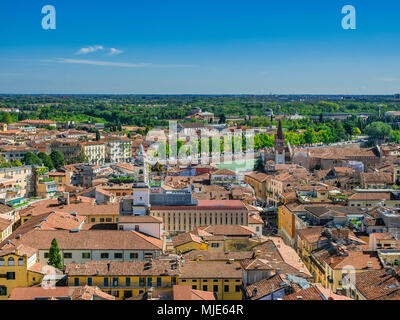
[(337, 267), (19, 268), (124, 279), (258, 181), (187, 242), (6, 228), (307, 242), (221, 277)]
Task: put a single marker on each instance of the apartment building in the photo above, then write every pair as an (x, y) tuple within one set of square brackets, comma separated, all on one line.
[(19, 268), (6, 226), (223, 177), (61, 179), (95, 151), (124, 279), (118, 149), (221, 277), (338, 267), (86, 245), (11, 153), (70, 148), (16, 183), (258, 181), (45, 186)]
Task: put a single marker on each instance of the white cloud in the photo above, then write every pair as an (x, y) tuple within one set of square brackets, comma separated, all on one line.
[(90, 49), (385, 79), (114, 64), (114, 51), (100, 63)]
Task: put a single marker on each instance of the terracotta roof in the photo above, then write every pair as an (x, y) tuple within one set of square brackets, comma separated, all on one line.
[(228, 230), (39, 207), (210, 270), (276, 256), (329, 293), (5, 209), (90, 293), (376, 178), (4, 224), (368, 196), (60, 221), (43, 269), (122, 268), (74, 293), (19, 250), (343, 170), (206, 255), (258, 176), (310, 293), (358, 259), (48, 221), (90, 239), (311, 234), (183, 292), (377, 285), (223, 172), (255, 219), (186, 238), (266, 287)]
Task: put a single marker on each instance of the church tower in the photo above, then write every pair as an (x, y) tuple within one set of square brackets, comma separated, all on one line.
[(141, 192), (279, 145)]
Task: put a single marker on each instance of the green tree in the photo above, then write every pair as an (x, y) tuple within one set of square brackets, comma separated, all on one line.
[(16, 163), (309, 136), (98, 135), (55, 255), (349, 127), (259, 164), (7, 118), (158, 167), (46, 160), (394, 136), (31, 159), (324, 136), (356, 131), (378, 130), (3, 162), (82, 158), (339, 132), (57, 158)]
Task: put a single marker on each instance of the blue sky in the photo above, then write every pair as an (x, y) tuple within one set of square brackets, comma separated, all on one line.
[(200, 47)]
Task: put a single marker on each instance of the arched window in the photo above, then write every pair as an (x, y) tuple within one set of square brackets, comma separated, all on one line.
[(11, 261), (1, 261), (21, 261)]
